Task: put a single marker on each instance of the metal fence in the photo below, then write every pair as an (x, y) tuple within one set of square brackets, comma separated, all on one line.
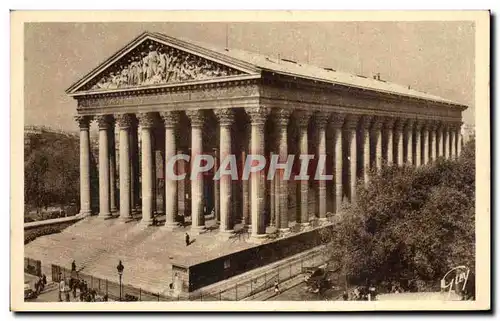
[(237, 292), (262, 282), (33, 267), (108, 287)]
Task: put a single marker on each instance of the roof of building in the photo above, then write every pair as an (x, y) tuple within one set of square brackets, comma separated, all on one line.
[(304, 70), (259, 62)]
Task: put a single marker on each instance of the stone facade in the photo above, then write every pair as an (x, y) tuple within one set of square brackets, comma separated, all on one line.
[(208, 103)]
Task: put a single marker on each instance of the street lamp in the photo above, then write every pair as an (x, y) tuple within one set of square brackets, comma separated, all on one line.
[(120, 268)]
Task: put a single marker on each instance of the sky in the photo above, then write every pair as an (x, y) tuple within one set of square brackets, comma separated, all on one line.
[(433, 57)]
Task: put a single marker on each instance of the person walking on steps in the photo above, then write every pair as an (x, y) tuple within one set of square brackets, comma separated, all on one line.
[(187, 239)]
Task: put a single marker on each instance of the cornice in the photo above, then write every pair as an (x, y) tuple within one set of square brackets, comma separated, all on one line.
[(231, 81)]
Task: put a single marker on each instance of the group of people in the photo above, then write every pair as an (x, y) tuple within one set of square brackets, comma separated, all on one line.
[(160, 65), (40, 284), (85, 293), (361, 293)]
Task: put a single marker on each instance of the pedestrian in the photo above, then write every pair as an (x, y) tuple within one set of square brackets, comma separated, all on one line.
[(187, 239), (276, 287), (44, 280), (73, 266), (62, 285), (345, 296)]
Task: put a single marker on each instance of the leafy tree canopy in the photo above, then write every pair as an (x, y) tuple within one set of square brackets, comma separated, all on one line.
[(410, 224)]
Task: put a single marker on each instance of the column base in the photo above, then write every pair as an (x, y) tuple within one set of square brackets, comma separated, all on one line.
[(145, 223), (85, 213), (105, 216), (305, 226), (125, 219), (284, 231), (257, 238), (225, 235), (197, 230), (171, 226)]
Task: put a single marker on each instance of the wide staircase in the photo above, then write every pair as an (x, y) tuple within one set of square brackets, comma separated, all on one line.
[(97, 246)]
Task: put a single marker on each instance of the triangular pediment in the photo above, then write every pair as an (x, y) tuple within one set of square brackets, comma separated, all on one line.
[(151, 61)]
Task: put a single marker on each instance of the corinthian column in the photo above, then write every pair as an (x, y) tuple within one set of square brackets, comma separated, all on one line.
[(112, 165), (409, 141), (446, 142), (257, 119), (226, 120), (376, 133), (398, 132), (146, 121), (425, 142), (433, 131), (418, 143), (103, 122), (459, 140), (197, 217), (85, 199), (170, 120), (124, 123), (303, 117), (351, 125), (282, 117), (365, 124), (389, 130), (322, 120), (338, 161), (452, 142), (439, 140), (134, 165)]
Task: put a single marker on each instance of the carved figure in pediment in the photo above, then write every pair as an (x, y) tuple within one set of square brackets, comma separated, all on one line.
[(158, 64), (162, 65), (144, 65), (152, 62)]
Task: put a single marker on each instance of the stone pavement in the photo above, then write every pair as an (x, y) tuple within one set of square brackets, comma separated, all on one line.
[(97, 245)]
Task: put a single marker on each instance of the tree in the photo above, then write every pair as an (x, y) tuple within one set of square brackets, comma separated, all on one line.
[(51, 170), (409, 224)]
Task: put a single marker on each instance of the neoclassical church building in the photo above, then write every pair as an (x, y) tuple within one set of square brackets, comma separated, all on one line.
[(160, 96)]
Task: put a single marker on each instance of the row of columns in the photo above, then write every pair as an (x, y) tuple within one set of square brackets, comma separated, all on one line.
[(415, 142)]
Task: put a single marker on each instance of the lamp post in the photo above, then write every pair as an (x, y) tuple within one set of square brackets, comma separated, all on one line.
[(120, 268)]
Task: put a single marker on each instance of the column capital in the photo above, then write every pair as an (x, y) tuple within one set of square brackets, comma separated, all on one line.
[(197, 117), (418, 124), (225, 116), (389, 122), (83, 121), (351, 121), (337, 120), (424, 123), (457, 125), (104, 121), (322, 118), (409, 124), (432, 125), (146, 120), (366, 121), (170, 118), (399, 124), (124, 120), (257, 115), (282, 115), (377, 123), (302, 116)]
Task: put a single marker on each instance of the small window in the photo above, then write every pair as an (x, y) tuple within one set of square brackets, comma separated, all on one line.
[(227, 264)]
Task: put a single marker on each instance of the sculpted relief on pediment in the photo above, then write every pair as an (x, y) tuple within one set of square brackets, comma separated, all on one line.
[(153, 63)]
